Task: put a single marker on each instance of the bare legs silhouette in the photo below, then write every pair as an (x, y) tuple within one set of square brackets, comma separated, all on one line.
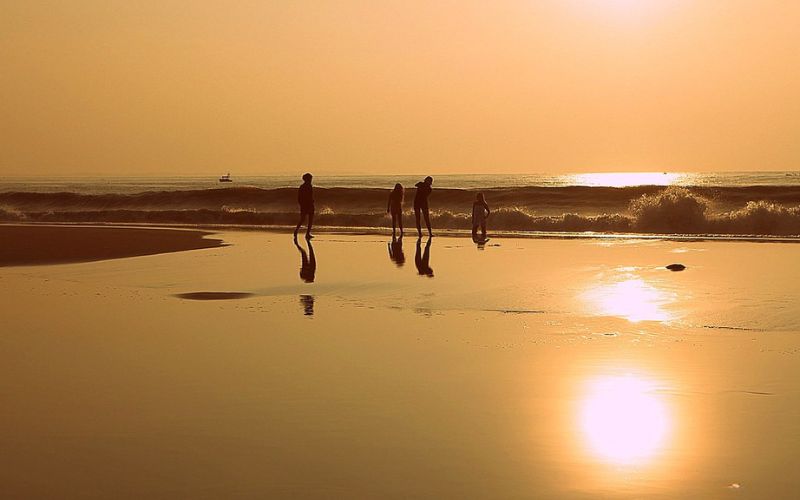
[(427, 215), (475, 231), (397, 221), (303, 215)]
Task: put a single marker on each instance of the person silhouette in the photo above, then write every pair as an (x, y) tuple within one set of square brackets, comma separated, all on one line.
[(480, 212), (422, 260), (421, 204), (396, 251), (305, 198), (395, 207), (308, 262)]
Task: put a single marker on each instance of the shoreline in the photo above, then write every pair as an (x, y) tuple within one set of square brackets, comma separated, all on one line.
[(447, 233)]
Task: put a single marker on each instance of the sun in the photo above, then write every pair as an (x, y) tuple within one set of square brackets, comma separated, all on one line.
[(630, 12), (621, 4)]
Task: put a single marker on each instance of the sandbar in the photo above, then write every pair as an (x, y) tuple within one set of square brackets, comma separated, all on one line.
[(28, 245)]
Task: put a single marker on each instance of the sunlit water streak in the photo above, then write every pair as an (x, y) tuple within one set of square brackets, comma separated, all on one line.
[(625, 179), (630, 298), (623, 420)]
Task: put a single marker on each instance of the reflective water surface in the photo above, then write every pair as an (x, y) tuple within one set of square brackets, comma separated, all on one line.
[(623, 419), (629, 297), (624, 179), (534, 369)]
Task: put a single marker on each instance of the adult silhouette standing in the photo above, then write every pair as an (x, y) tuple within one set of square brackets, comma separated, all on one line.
[(305, 198), (421, 204)]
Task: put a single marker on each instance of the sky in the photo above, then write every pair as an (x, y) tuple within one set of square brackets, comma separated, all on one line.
[(196, 87)]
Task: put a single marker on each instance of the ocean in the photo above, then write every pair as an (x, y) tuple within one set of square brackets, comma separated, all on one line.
[(742, 204)]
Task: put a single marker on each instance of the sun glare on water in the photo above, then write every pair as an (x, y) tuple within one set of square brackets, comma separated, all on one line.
[(623, 420), (632, 299), (625, 179)]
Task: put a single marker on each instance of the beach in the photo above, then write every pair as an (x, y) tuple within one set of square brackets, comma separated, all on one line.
[(525, 368), (202, 295)]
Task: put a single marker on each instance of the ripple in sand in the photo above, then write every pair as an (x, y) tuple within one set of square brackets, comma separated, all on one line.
[(740, 328), (213, 295)]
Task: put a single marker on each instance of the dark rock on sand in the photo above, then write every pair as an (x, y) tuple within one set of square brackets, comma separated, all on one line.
[(676, 267)]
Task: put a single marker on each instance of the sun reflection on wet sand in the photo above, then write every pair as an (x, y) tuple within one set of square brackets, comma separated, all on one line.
[(633, 299), (623, 420)]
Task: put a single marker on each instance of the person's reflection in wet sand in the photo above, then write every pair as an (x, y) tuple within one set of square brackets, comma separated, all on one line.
[(479, 241), (307, 301), (308, 263), (422, 260), (396, 251)]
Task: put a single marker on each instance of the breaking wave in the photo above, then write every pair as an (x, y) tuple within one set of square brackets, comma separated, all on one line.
[(753, 210)]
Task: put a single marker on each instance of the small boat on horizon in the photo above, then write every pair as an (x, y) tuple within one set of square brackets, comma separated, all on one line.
[(226, 178)]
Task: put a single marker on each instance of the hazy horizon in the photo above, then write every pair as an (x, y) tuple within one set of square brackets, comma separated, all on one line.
[(322, 174), (99, 88)]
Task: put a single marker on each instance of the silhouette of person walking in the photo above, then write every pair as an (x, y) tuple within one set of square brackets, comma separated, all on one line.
[(421, 204), (308, 262), (396, 251), (422, 260), (395, 207), (305, 198), (480, 212)]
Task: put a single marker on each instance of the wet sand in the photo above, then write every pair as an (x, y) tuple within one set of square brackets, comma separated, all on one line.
[(525, 369), (29, 245)]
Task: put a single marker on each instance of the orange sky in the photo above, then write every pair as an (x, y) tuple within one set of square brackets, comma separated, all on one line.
[(261, 87)]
